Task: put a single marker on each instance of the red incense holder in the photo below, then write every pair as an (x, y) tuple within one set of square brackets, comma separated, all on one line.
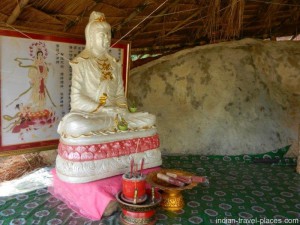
[(134, 188)]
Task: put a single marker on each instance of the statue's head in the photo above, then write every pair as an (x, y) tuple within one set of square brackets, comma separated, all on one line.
[(98, 33)]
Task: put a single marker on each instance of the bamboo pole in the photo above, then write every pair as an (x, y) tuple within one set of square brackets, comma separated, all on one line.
[(17, 11)]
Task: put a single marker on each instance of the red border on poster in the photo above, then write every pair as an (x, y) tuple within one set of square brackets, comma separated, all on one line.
[(52, 144)]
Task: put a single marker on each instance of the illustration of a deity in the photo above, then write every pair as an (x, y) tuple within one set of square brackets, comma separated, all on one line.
[(34, 113)]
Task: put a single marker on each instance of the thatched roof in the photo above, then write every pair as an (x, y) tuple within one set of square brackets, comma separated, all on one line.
[(158, 26)]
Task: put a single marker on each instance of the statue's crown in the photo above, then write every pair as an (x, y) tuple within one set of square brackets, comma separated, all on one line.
[(100, 19), (97, 17)]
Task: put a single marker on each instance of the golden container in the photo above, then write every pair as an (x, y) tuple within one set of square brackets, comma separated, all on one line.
[(172, 198)]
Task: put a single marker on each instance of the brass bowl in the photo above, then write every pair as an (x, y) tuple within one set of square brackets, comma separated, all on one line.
[(172, 198), (148, 205), (142, 214)]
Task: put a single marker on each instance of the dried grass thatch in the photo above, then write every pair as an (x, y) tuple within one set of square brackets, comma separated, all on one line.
[(157, 26), (233, 16), (15, 166), (271, 12), (224, 23), (212, 21)]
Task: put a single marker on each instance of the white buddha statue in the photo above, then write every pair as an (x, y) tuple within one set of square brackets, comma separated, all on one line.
[(97, 93), (91, 144)]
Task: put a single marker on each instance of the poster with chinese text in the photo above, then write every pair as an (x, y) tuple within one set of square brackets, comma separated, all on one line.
[(35, 87)]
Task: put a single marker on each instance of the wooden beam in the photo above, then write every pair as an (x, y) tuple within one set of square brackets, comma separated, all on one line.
[(17, 11), (160, 48), (181, 24), (259, 15), (255, 33), (46, 15), (78, 18), (200, 28), (258, 27), (41, 31), (135, 12), (292, 16), (154, 19), (73, 22), (2, 14), (166, 48), (167, 26), (269, 15)]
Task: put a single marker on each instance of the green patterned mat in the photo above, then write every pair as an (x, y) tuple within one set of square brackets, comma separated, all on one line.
[(240, 192)]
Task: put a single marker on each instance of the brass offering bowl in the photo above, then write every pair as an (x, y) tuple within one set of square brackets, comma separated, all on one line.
[(172, 198), (142, 214)]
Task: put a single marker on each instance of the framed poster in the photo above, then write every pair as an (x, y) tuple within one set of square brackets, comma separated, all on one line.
[(35, 87)]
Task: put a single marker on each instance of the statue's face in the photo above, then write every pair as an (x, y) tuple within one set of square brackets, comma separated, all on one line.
[(101, 39)]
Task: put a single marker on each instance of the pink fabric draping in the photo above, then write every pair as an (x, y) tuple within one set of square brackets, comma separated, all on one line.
[(88, 199)]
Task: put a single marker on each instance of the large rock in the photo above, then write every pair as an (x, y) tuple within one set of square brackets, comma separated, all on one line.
[(228, 98)]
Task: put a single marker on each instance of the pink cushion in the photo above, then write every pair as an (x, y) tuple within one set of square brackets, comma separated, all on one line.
[(88, 199)]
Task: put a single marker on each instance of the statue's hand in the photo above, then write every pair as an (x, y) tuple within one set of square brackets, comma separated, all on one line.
[(102, 101)]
